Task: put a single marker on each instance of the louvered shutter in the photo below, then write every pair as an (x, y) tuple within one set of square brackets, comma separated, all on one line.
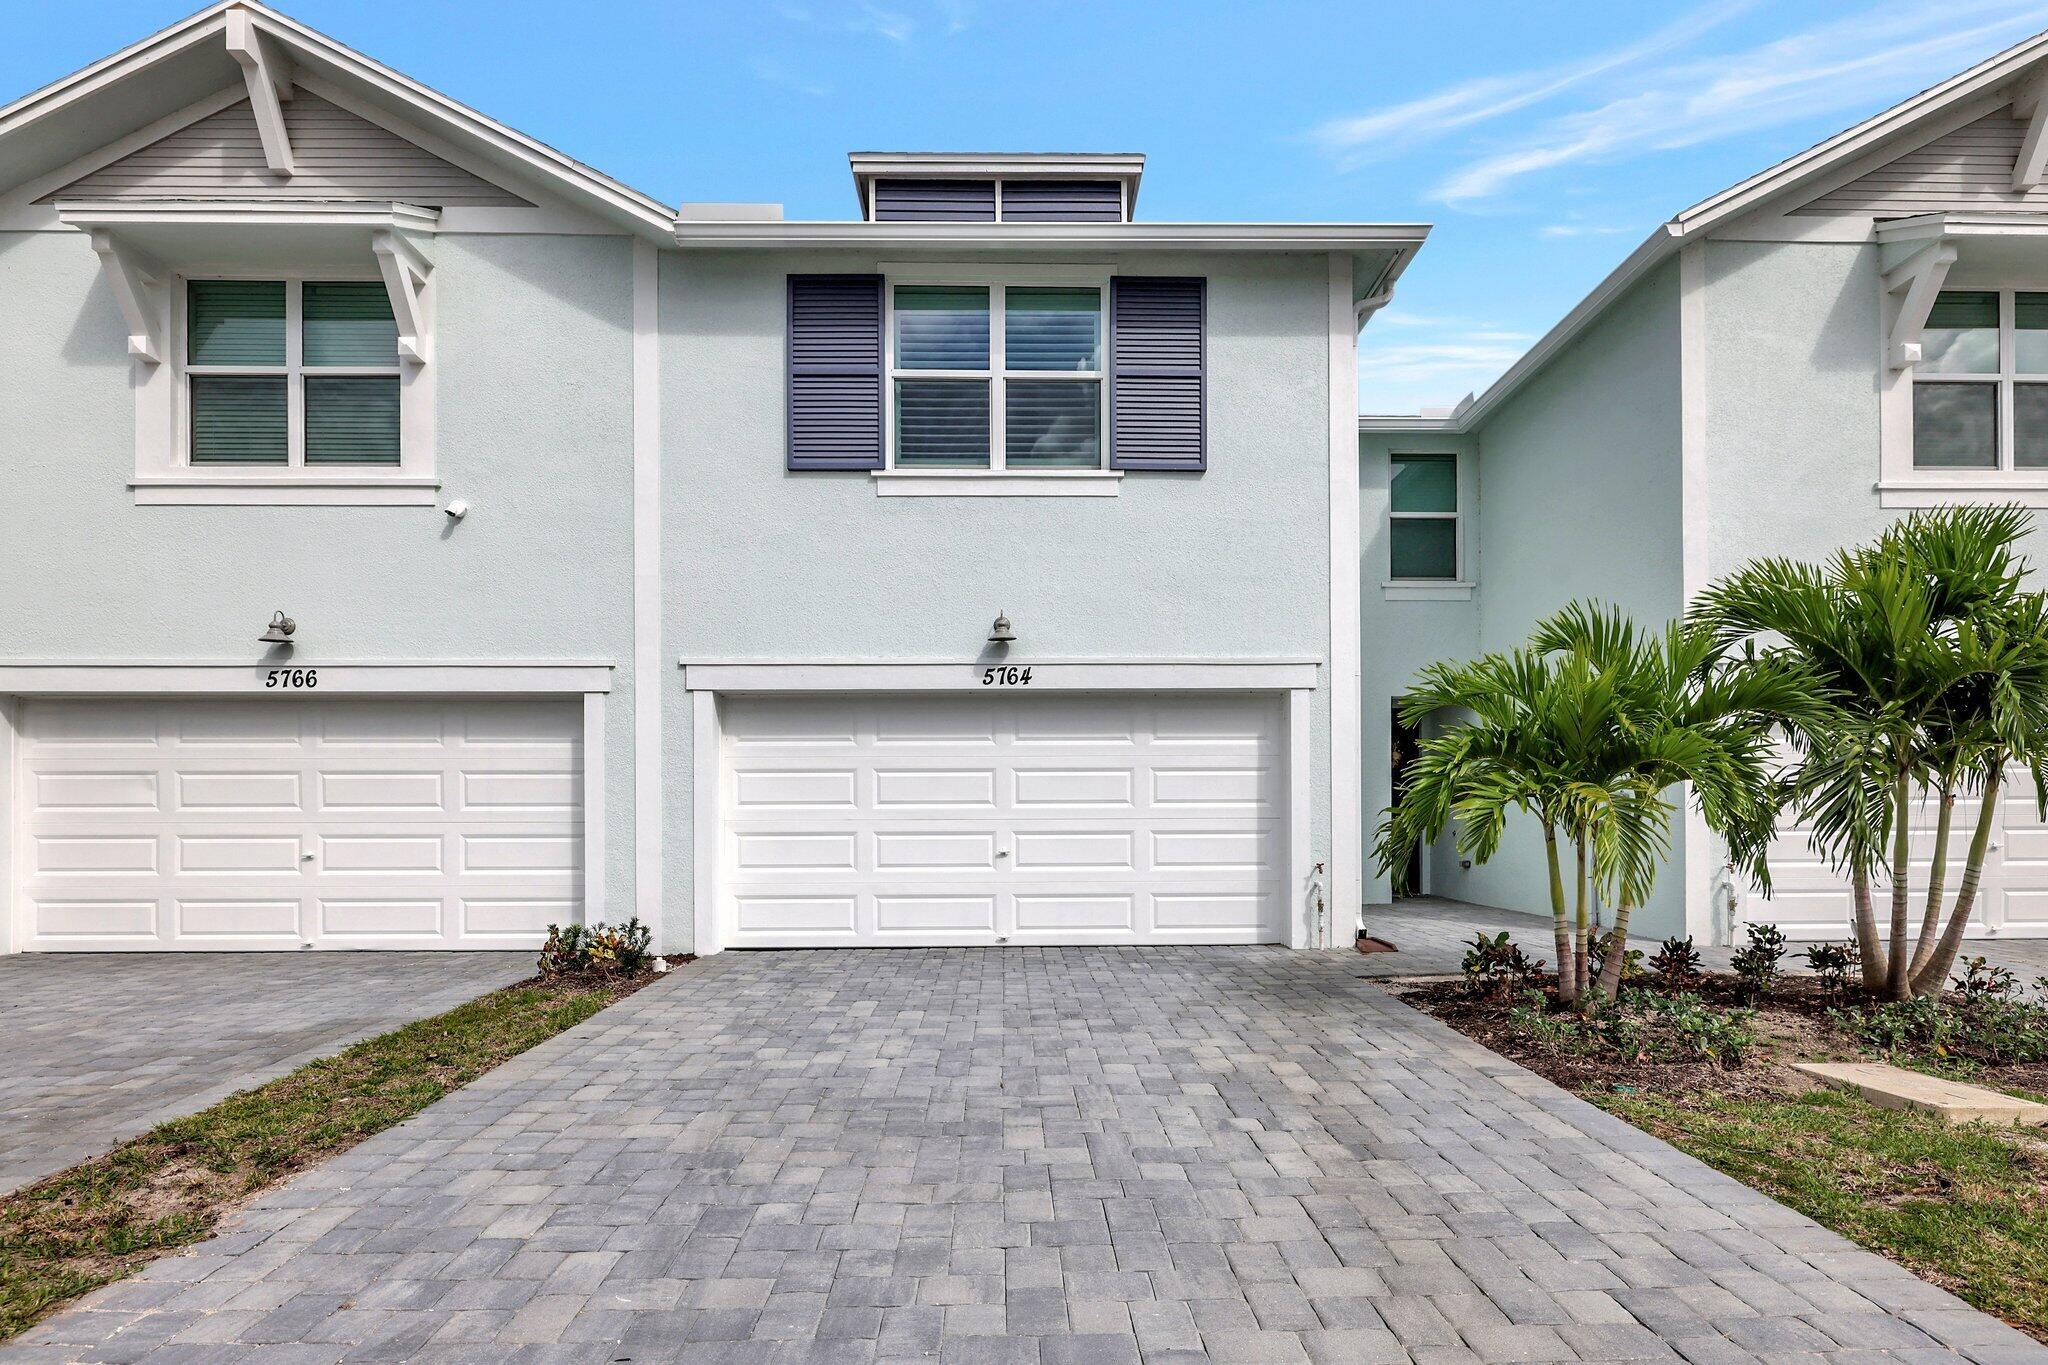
[(835, 371), (935, 201), (1156, 376), (1063, 201)]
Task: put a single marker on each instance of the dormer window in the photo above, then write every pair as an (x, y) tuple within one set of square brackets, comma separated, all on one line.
[(930, 187)]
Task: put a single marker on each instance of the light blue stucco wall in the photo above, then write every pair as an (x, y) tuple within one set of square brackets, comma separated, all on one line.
[(759, 563), (533, 352), (1580, 497)]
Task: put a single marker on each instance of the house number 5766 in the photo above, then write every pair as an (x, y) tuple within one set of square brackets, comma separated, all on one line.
[(292, 677), (1006, 677)]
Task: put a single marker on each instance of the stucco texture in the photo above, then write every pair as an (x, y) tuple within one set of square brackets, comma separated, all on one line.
[(759, 563), (534, 430)]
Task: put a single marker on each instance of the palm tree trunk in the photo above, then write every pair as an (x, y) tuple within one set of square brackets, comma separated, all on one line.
[(1560, 925), (1617, 952), (1937, 876), (1580, 939), (1930, 979), (1869, 952), (1898, 982)]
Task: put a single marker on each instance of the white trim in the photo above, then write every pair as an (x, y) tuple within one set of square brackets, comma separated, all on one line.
[(729, 236), (1901, 484), (996, 483), (1302, 881), (2032, 162), (1079, 274), (649, 681), (593, 807), (25, 195), (117, 214), (14, 922), (707, 806), (1916, 280), (138, 285), (1428, 590), (1347, 791), (992, 165), (199, 490), (1049, 675), (345, 677), (1695, 540), (267, 76)]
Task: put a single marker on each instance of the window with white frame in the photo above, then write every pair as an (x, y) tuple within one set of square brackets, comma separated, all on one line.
[(996, 377), (290, 373), (1980, 388), (1424, 531)]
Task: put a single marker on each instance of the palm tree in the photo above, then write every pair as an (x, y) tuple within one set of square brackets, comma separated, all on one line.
[(1932, 666), (1588, 728)]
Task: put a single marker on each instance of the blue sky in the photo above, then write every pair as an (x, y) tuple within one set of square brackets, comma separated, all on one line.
[(1544, 138)]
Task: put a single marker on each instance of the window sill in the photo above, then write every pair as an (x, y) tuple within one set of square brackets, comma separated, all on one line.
[(1925, 490), (1008, 483), (1427, 590), (297, 490)]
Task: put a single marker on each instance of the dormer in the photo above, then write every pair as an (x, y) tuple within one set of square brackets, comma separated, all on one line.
[(997, 187)]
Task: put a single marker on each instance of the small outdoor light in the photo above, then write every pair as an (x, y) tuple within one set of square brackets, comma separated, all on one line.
[(1001, 634), (280, 632)]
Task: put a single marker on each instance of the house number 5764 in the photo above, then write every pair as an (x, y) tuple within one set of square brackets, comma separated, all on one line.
[(1006, 677), (292, 677)]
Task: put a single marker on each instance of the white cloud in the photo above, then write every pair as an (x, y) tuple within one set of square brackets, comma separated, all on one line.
[(897, 27), (1582, 230), (1663, 93)]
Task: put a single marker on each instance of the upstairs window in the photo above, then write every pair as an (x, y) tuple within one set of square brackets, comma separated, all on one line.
[(1980, 389), (291, 373), (1424, 533), (996, 377)]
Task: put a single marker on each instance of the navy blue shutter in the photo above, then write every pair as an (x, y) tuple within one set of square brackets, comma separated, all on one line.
[(1063, 201), (1156, 373), (835, 371), (935, 201)]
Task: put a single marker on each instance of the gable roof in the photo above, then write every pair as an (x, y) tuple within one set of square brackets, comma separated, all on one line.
[(1989, 82), (165, 76)]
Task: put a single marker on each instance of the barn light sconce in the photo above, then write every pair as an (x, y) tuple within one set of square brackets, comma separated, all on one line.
[(1001, 634), (280, 632)]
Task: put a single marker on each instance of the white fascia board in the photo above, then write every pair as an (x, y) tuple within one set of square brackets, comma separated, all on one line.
[(301, 45), (1016, 236), (1058, 164), (115, 214), (111, 677), (1403, 423)]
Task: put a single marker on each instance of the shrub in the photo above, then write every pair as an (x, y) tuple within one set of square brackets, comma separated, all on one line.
[(596, 949), (1835, 965), (1631, 960), (1981, 982), (1495, 966), (1758, 964), (1896, 1025), (1556, 1033), (1698, 1031), (1677, 964)]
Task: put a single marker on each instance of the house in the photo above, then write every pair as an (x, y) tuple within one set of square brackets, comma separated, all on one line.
[(418, 538), (1782, 368)]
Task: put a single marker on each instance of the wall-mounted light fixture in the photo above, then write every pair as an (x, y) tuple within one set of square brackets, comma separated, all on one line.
[(280, 632), (1001, 634), (456, 510)]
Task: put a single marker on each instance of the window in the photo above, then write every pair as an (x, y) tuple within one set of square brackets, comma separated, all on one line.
[(1423, 530), (290, 374), (996, 377), (1980, 389)]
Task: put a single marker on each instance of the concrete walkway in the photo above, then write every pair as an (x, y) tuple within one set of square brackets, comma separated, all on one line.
[(100, 1047), (1036, 1155)]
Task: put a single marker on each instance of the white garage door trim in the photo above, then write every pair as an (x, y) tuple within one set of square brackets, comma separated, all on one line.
[(591, 680), (1291, 682)]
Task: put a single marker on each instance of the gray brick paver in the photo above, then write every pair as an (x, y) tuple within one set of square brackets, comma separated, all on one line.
[(1025, 1155)]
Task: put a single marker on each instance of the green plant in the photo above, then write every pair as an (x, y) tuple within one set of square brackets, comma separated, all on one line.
[(1758, 962), (1833, 966), (1696, 1030), (596, 949), (1677, 965), (1631, 964), (1918, 1024), (1495, 966), (1981, 982)]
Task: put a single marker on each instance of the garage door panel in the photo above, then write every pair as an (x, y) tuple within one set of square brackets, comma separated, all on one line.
[(1043, 819), (287, 822)]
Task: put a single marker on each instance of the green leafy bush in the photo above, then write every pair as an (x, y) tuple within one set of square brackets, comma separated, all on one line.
[(1495, 966), (1641, 1026), (596, 949), (1835, 966), (1759, 963), (1984, 1020), (1631, 960), (1676, 967)]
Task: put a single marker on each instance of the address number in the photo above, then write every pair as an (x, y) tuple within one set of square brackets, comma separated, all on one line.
[(292, 677), (1006, 677)]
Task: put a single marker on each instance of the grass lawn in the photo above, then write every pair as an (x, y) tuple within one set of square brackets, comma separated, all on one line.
[(72, 1232), (1965, 1207)]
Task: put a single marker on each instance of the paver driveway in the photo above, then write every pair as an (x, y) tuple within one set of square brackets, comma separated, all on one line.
[(1019, 1155), (95, 1048)]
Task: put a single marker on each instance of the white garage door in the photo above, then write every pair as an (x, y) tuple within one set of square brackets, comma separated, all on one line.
[(277, 823), (912, 820), (1810, 901)]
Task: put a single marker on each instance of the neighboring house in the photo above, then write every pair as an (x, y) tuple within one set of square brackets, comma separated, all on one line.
[(1780, 369), (977, 570)]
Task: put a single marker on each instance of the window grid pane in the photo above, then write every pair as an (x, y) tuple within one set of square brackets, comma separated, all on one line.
[(1052, 329), (349, 322), (1052, 425), (1424, 483), (351, 420), (1955, 426), (1961, 336), (2030, 426), (235, 322), (942, 423), (941, 328), (239, 419), (1424, 547)]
